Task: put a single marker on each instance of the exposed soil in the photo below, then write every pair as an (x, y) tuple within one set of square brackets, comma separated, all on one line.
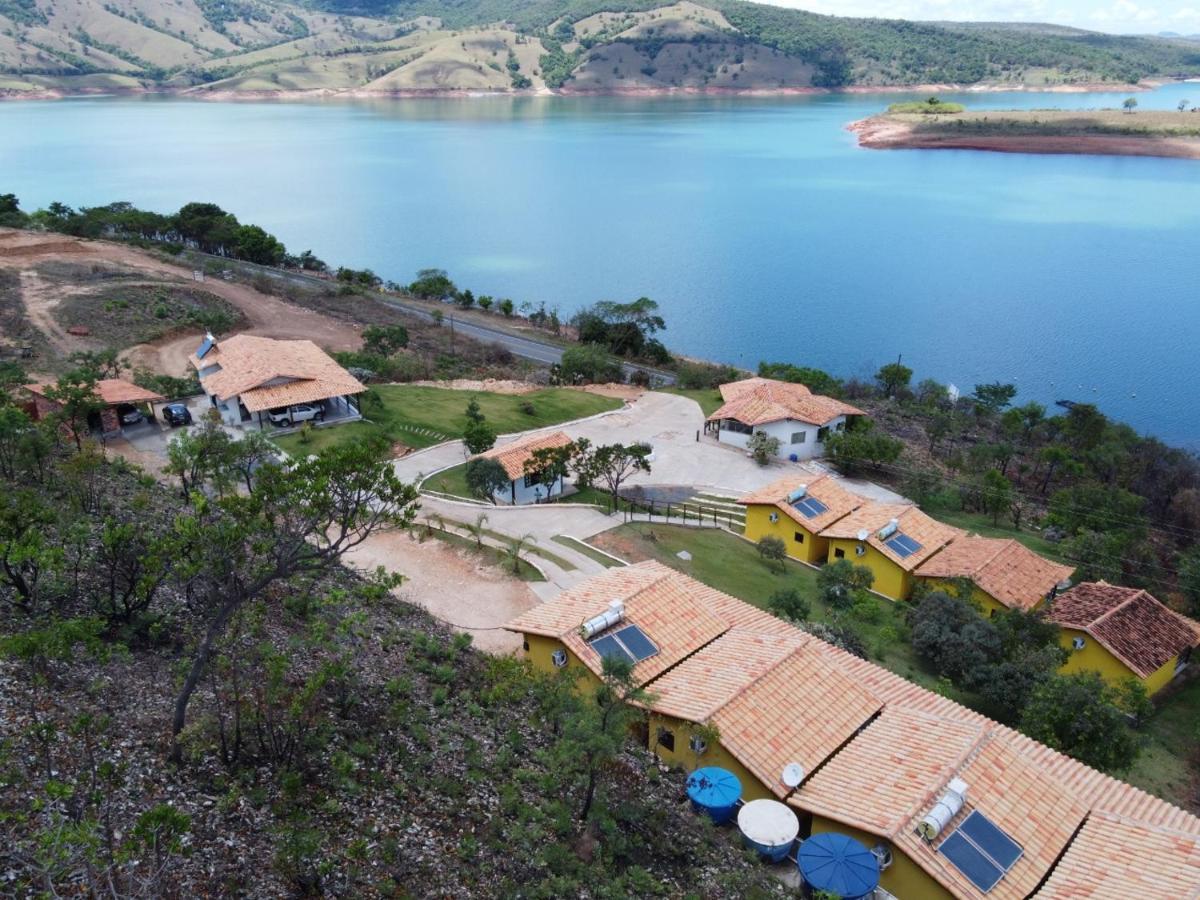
[(451, 586), (887, 133)]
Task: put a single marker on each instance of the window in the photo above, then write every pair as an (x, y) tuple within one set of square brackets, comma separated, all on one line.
[(822, 433), (799, 437), (533, 478), (840, 426), (666, 738), (839, 553), (799, 536), (697, 744), (525, 645)]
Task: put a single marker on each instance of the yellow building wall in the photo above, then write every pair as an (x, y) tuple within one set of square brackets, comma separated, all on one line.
[(890, 580), (539, 650), (715, 755), (812, 550), (903, 878), (987, 604), (1095, 658)]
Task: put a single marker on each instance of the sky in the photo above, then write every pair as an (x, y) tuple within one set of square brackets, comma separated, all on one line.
[(1114, 16)]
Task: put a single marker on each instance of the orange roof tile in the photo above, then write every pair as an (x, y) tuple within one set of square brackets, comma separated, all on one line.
[(898, 763), (1033, 809), (1120, 859), (266, 373), (515, 455), (838, 501), (111, 391), (1128, 622), (710, 678), (931, 534), (1005, 569), (801, 710), (757, 401)]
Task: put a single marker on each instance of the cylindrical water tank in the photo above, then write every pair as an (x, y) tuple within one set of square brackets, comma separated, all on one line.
[(714, 791), (769, 827)]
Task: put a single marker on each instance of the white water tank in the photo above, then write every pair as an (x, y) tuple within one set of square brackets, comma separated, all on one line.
[(889, 529), (946, 808), (606, 619), (798, 493)]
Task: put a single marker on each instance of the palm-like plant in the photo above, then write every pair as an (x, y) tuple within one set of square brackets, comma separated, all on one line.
[(516, 547), (477, 529)]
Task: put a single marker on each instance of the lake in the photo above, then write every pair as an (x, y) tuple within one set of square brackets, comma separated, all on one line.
[(759, 226)]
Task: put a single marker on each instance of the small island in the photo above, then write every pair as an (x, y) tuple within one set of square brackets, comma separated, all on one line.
[(935, 125)]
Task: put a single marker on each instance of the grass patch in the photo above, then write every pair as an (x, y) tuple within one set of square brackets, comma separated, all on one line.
[(531, 549), (123, 315), (732, 565), (587, 550), (1168, 764), (452, 481), (423, 416), (930, 107), (708, 398), (492, 556)]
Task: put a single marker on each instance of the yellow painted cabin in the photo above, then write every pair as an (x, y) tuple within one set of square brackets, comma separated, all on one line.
[(801, 543)]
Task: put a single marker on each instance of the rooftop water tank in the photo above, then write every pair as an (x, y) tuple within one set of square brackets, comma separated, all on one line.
[(714, 791), (769, 827), (838, 865)]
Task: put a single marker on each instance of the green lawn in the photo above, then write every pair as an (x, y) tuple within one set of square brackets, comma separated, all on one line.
[(422, 416), (730, 564), (982, 525), (708, 398), (1167, 765)]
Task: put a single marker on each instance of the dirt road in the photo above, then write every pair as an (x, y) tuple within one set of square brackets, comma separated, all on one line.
[(265, 314)]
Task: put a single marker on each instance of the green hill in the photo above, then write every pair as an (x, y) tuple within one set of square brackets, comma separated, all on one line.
[(502, 45)]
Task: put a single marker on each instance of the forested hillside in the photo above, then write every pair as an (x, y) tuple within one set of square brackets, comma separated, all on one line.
[(500, 45)]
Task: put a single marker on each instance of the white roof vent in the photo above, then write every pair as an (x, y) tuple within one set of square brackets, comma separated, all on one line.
[(889, 529), (606, 619), (946, 808)]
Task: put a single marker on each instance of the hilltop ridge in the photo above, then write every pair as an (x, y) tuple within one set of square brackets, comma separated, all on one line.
[(269, 47)]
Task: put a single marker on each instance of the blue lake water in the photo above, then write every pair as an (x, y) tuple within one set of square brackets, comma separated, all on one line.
[(759, 226)]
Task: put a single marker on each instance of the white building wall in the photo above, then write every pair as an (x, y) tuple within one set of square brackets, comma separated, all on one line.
[(535, 494), (786, 431)]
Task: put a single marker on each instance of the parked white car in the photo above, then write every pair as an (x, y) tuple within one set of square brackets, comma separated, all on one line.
[(285, 416)]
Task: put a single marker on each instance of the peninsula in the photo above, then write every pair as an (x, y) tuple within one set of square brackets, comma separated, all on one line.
[(1111, 132)]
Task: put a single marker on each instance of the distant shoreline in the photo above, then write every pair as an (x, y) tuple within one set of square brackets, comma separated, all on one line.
[(198, 92), (892, 132)]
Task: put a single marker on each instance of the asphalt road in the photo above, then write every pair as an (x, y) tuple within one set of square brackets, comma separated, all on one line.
[(527, 348)]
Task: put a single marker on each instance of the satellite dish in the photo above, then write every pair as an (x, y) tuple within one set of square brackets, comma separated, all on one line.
[(863, 534), (793, 774)]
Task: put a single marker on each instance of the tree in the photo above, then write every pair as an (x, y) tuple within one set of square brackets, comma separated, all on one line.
[(132, 563), (384, 340), (254, 244), (474, 414), (432, 284), (789, 603), (893, 377), (300, 521), (625, 329), (1189, 580), (1182, 105), (816, 380), (773, 551), (1077, 715), (996, 494), (1130, 104), (104, 363), (612, 464), (245, 456), (76, 400), (465, 299), (551, 463), (479, 437), (199, 457), (594, 729), (485, 478), (953, 637), (309, 262), (29, 556), (763, 448), (993, 398), (506, 307), (588, 364), (861, 446), (841, 583)]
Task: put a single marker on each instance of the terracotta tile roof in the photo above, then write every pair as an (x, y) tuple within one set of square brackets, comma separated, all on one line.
[(931, 534), (665, 604), (707, 680), (1005, 569), (837, 500), (514, 455), (112, 391), (1133, 626), (1036, 811), (757, 401), (898, 763), (267, 373), (802, 710), (1119, 859)]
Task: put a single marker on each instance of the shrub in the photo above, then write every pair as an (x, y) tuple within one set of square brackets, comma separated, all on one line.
[(789, 603), (773, 550)]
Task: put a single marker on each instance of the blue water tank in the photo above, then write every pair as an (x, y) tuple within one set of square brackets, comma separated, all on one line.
[(769, 827), (838, 865), (714, 791)]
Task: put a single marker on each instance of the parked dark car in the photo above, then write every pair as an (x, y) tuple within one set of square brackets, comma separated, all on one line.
[(176, 414), (130, 415)]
